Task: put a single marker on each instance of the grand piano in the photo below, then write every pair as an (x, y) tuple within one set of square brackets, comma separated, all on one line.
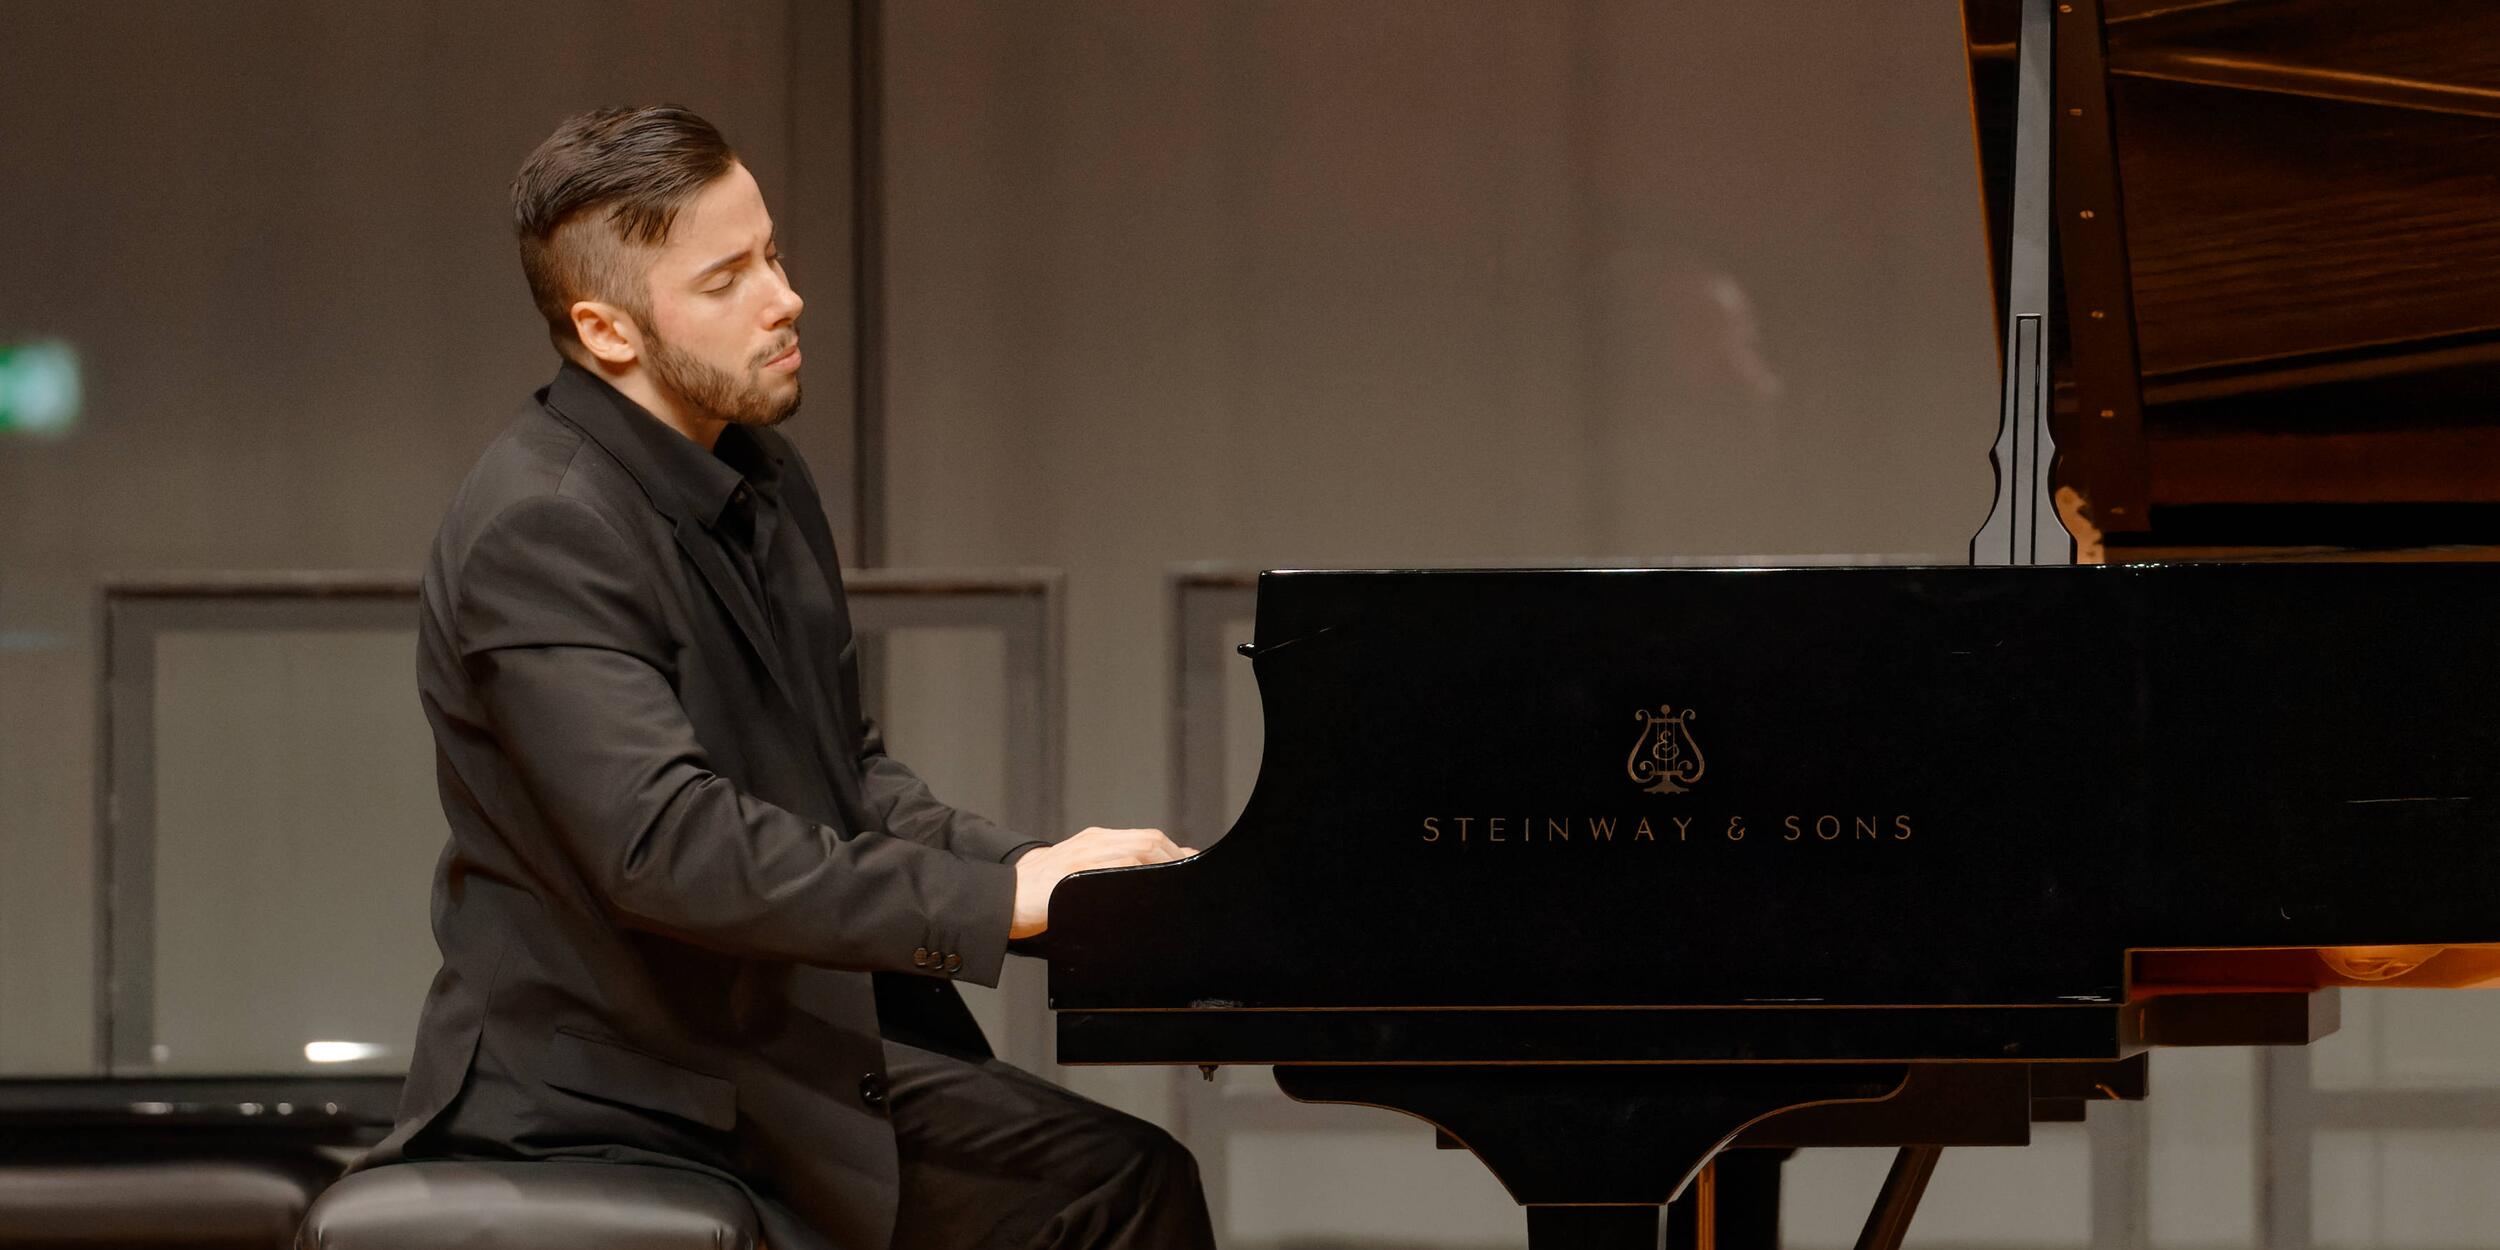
[(1620, 879)]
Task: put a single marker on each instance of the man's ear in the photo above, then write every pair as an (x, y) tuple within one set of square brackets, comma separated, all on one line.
[(607, 332)]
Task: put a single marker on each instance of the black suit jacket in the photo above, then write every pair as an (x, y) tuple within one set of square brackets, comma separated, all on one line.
[(663, 894)]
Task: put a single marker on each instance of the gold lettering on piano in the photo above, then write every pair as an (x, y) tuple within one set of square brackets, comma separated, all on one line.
[(1545, 829)]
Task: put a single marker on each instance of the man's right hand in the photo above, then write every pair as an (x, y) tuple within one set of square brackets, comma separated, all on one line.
[(1039, 870)]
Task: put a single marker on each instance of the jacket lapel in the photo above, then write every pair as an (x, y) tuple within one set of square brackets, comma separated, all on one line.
[(732, 592)]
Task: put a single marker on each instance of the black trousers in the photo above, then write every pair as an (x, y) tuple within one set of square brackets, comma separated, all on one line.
[(995, 1158), (992, 1158)]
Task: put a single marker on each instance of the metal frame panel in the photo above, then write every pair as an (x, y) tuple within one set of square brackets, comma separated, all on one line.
[(2118, 1139), (2293, 1110), (2286, 1136), (132, 614)]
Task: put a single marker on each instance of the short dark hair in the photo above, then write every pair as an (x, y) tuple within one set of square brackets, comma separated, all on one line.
[(602, 191)]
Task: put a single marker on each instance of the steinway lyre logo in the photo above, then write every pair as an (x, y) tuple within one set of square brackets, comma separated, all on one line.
[(1665, 760)]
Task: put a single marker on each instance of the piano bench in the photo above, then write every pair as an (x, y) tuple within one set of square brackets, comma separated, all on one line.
[(102, 1202), (530, 1206)]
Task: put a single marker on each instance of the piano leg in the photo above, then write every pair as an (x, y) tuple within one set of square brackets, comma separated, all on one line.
[(1733, 1205), (1889, 1222), (1693, 1218), (1594, 1151), (1592, 1228), (1591, 1136)]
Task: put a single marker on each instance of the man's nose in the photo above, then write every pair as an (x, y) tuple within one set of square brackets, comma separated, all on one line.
[(786, 304)]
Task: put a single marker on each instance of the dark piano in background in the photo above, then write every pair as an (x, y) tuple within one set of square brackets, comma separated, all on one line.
[(1628, 881)]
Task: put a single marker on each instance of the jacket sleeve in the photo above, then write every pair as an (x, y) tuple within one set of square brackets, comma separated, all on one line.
[(903, 805), (565, 647)]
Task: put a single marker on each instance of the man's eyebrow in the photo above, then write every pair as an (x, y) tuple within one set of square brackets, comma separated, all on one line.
[(723, 263), (771, 241)]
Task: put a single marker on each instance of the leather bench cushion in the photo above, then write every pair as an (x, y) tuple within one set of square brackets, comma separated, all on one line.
[(530, 1206), (151, 1203)]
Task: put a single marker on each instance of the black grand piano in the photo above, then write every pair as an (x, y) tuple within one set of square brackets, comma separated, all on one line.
[(1619, 878)]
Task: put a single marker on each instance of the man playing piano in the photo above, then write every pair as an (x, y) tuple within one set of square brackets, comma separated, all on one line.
[(691, 912)]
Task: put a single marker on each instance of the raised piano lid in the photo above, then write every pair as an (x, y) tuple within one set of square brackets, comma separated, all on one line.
[(1881, 786), (2277, 249)]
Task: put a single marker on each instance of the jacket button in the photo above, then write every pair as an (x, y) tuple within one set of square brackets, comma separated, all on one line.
[(872, 1089), (920, 957), (954, 963)]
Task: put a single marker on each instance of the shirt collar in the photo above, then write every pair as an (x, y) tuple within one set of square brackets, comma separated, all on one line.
[(681, 478)]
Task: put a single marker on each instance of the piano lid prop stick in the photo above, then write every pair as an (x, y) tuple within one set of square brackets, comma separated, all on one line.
[(2023, 526)]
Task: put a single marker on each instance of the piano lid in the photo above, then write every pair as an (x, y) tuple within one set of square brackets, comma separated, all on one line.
[(2277, 322)]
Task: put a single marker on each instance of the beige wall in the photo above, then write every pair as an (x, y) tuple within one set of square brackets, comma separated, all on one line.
[(277, 233)]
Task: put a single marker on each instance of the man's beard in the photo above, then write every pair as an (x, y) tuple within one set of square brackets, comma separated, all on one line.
[(718, 393)]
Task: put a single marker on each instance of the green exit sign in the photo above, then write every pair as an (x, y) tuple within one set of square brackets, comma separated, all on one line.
[(40, 388)]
